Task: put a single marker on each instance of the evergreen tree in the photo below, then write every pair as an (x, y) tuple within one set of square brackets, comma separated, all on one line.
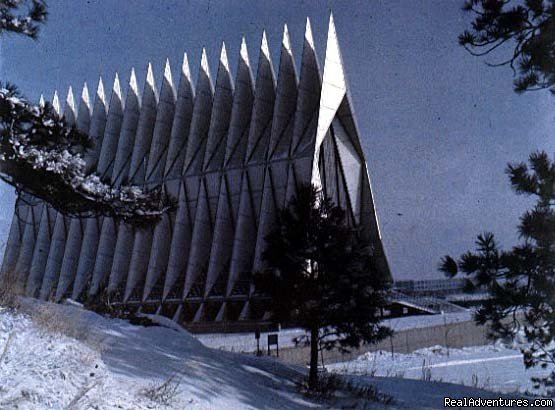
[(22, 16), (521, 281), (42, 155), (527, 27), (322, 277)]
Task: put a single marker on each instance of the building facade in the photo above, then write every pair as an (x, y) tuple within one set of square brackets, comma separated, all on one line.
[(232, 152)]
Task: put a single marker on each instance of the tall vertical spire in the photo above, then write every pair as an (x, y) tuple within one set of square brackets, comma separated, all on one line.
[(142, 243), (69, 110), (309, 95), (111, 134), (100, 99), (64, 254), (145, 128), (230, 184), (58, 242), (173, 169), (84, 111), (259, 133), (201, 118), (128, 131), (185, 70), (137, 173), (162, 128), (286, 40), (241, 111), (188, 195), (133, 85), (78, 261), (98, 246), (96, 127), (56, 103), (308, 37), (333, 91), (247, 210), (286, 100), (210, 183), (182, 122), (221, 111)]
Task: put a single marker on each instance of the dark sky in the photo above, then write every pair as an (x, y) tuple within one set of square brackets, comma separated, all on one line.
[(438, 126)]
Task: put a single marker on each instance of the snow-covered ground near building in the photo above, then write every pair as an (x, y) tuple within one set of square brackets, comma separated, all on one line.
[(110, 364), (62, 357), (497, 367), (245, 342)]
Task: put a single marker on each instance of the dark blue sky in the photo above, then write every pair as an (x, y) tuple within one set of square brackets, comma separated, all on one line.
[(438, 126)]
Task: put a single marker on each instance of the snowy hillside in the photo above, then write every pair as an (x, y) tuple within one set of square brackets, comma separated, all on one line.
[(100, 363), (114, 362)]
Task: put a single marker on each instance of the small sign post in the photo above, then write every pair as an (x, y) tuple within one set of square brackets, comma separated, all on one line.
[(273, 341), (257, 337)]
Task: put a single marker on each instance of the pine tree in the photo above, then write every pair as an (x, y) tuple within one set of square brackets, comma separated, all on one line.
[(521, 281), (322, 277), (42, 155), (22, 16), (526, 27)]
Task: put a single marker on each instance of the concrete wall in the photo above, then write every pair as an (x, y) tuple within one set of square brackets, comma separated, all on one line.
[(454, 335)]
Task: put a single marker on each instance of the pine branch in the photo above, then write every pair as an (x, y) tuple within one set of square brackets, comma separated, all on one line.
[(44, 156), (22, 16)]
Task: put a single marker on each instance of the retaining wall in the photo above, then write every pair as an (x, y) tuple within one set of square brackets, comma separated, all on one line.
[(454, 335)]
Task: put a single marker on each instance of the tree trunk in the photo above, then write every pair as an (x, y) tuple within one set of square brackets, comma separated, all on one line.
[(313, 372)]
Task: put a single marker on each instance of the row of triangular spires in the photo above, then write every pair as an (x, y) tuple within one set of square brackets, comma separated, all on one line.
[(232, 154)]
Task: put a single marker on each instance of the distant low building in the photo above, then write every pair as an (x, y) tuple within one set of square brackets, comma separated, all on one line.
[(232, 154), (433, 296), (435, 287)]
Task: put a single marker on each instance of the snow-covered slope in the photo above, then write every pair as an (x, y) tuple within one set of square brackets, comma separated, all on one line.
[(61, 357), (114, 362)]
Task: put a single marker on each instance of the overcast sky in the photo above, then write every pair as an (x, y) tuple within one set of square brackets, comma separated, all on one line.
[(438, 126)]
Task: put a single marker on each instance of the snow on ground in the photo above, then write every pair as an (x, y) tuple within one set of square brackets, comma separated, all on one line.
[(497, 367), (245, 342), (114, 361), (62, 357)]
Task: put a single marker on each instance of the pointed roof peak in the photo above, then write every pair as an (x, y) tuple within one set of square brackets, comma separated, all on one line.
[(56, 102), (69, 109), (264, 49), (133, 82), (116, 88), (41, 100), (223, 57), (333, 52), (100, 91), (331, 26), (84, 109), (150, 75), (308, 33), (185, 70), (168, 71), (167, 92), (70, 100), (204, 62), (286, 41), (244, 53), (85, 95)]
